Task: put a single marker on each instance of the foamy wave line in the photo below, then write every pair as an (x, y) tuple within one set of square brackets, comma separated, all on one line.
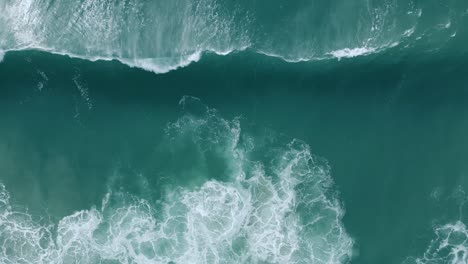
[(166, 64)]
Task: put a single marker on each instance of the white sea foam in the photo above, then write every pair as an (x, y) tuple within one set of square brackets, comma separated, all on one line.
[(266, 212), (2, 54)]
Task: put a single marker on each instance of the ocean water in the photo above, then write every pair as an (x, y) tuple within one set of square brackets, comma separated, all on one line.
[(215, 131)]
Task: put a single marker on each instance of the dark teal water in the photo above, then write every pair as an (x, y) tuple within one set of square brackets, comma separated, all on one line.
[(290, 132)]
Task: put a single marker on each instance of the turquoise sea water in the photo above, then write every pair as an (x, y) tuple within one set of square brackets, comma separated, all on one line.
[(210, 131)]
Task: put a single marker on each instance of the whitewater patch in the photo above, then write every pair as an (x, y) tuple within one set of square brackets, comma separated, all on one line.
[(2, 55), (278, 210)]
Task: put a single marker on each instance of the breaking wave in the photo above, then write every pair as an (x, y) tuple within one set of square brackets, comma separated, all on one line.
[(160, 36)]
